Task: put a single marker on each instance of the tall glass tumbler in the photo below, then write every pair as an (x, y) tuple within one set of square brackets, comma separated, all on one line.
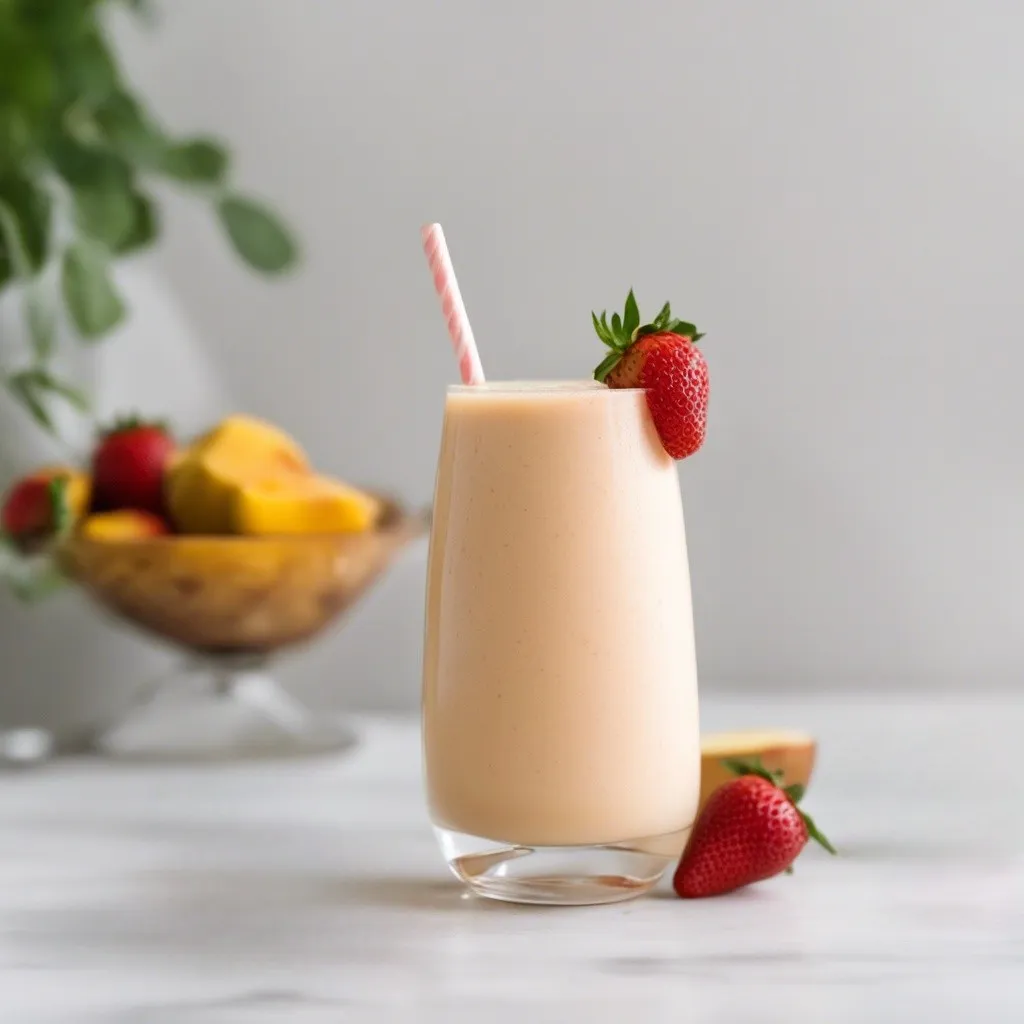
[(560, 721)]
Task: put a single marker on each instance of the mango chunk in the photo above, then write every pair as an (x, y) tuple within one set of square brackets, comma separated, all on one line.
[(124, 524), (240, 451), (242, 438), (306, 505)]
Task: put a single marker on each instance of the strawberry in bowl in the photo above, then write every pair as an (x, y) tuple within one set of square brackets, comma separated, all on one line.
[(129, 464)]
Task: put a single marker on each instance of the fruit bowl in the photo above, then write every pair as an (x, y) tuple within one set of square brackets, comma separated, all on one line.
[(228, 604)]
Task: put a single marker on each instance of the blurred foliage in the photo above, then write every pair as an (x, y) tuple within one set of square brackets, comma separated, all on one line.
[(78, 154)]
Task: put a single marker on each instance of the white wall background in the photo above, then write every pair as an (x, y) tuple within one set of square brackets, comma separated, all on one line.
[(834, 190)]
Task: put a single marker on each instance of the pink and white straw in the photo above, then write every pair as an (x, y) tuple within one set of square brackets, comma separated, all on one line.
[(454, 310)]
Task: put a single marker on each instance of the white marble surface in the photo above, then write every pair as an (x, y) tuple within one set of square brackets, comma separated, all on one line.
[(312, 893)]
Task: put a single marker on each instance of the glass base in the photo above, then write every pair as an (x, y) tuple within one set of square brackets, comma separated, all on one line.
[(563, 876), (221, 709)]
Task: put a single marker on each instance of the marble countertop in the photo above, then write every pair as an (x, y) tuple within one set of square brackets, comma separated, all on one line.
[(312, 893)]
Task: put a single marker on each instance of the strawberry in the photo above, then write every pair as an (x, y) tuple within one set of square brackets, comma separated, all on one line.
[(751, 829), (128, 466), (39, 507), (662, 358), (30, 511)]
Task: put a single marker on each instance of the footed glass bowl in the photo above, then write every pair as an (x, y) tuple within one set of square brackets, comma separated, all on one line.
[(229, 604)]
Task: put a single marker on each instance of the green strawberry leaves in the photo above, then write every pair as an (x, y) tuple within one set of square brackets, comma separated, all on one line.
[(125, 423), (631, 319), (606, 365), (59, 505), (815, 834), (795, 792), (624, 330), (753, 767), (664, 321)]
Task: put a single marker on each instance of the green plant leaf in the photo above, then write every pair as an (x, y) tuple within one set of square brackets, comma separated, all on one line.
[(40, 319), (127, 130), (198, 161), (23, 392), (37, 583), (28, 210), (80, 164), (89, 293), (145, 225), (105, 212), (631, 317), (257, 235), (145, 9), (16, 136), (35, 385), (14, 243), (87, 70), (43, 381), (28, 74)]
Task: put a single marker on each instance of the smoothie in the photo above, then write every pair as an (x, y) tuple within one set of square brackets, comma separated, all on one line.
[(560, 690)]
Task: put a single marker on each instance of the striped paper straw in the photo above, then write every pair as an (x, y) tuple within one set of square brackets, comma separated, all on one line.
[(447, 288)]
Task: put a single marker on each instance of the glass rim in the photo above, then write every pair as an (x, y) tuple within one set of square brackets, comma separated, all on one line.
[(536, 387)]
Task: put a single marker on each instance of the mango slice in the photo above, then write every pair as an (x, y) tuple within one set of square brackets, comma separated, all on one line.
[(124, 524), (248, 477), (242, 438), (240, 451), (289, 505), (787, 750)]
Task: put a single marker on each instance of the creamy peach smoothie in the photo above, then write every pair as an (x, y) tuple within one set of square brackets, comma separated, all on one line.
[(560, 687)]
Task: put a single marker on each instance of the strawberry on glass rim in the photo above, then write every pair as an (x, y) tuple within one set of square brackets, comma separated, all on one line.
[(662, 358)]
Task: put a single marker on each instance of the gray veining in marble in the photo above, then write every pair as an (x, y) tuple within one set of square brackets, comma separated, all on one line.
[(312, 893)]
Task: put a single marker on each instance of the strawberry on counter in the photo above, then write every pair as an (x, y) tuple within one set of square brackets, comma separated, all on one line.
[(751, 829)]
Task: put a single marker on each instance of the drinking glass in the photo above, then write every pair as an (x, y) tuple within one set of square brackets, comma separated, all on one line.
[(560, 718)]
